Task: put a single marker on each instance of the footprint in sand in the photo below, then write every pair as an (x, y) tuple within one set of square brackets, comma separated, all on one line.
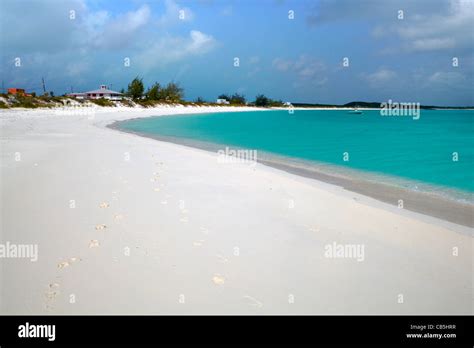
[(198, 243), (53, 285), (51, 295), (100, 227), (94, 243), (104, 205), (218, 279), (63, 264), (118, 216), (253, 301)]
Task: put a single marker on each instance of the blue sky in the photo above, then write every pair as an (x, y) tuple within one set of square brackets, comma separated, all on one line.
[(407, 59)]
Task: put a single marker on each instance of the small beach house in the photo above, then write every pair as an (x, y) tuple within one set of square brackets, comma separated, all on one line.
[(105, 93), (102, 92)]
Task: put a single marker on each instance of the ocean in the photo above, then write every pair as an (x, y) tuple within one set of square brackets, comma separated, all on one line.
[(433, 153)]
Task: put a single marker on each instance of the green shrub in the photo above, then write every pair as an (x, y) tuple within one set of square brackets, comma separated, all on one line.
[(25, 102), (147, 103), (126, 102), (102, 102)]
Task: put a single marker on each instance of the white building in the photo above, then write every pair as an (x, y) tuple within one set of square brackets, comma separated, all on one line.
[(105, 93), (102, 92), (222, 101)]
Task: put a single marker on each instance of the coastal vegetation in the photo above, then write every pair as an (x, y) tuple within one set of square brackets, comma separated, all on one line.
[(135, 88), (234, 99), (263, 101), (172, 93), (102, 102)]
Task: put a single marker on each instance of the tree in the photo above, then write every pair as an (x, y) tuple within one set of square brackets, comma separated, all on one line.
[(173, 93), (51, 94), (261, 100), (237, 99), (275, 102), (200, 100), (224, 96), (135, 88), (154, 92)]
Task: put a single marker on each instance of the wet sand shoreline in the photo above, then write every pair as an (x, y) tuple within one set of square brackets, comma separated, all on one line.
[(417, 201)]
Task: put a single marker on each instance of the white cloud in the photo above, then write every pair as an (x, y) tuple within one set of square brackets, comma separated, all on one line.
[(380, 77), (77, 68), (308, 71), (200, 43), (446, 78), (305, 67), (433, 44), (171, 49), (447, 29), (36, 26), (106, 32), (281, 64), (427, 25), (174, 14)]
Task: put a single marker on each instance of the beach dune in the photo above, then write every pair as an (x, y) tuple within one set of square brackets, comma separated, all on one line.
[(130, 225)]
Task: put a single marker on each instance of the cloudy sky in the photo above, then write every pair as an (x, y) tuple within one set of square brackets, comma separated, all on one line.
[(396, 49)]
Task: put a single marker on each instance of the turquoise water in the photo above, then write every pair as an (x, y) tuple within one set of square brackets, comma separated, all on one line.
[(419, 150)]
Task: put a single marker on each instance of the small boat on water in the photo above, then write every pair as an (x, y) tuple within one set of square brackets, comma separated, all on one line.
[(356, 111)]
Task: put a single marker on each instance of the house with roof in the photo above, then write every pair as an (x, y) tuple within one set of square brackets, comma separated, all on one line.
[(102, 92)]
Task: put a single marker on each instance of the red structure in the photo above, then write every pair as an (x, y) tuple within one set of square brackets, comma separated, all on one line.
[(18, 91)]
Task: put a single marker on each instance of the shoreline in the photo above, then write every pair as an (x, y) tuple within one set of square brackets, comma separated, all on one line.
[(426, 203)]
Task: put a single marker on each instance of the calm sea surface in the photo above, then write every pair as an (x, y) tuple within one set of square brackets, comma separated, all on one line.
[(416, 153)]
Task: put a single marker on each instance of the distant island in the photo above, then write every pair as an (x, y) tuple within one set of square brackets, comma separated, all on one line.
[(370, 105)]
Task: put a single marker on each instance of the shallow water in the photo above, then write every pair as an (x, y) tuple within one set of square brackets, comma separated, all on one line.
[(416, 154)]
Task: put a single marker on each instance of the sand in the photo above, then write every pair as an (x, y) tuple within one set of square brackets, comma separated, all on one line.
[(130, 225)]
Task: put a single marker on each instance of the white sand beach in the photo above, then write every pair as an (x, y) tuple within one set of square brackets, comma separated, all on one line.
[(130, 225)]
